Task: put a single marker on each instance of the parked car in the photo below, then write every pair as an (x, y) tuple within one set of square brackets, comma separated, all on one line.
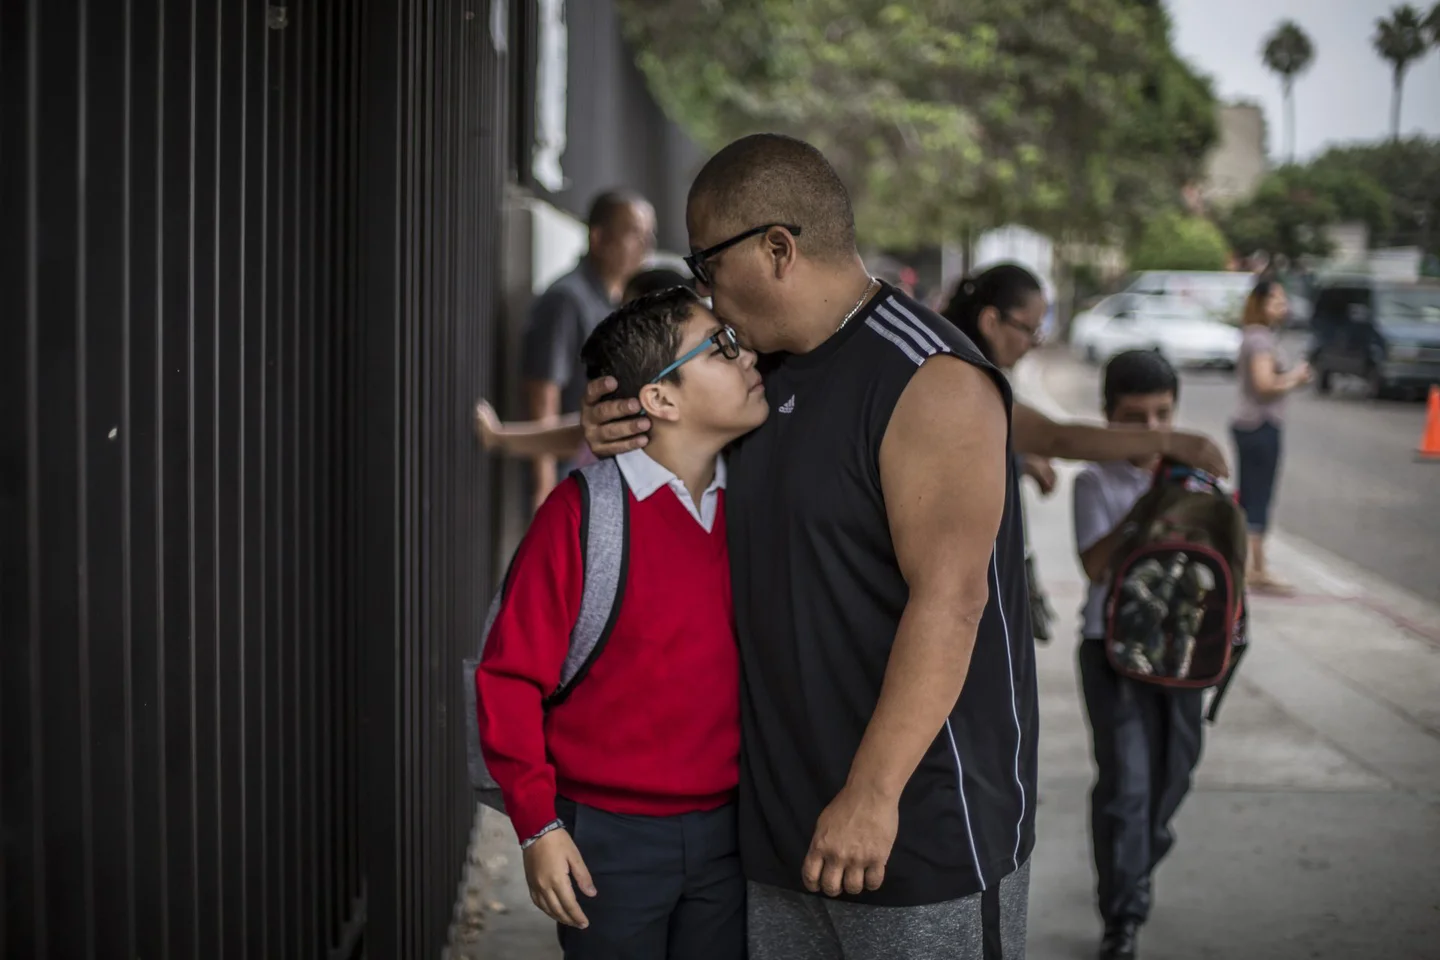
[(1220, 294), (1386, 332), (1180, 330)]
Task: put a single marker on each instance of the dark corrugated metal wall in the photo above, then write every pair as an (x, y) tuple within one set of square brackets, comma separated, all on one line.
[(247, 298)]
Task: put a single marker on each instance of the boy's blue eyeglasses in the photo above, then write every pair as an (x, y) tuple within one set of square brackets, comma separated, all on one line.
[(723, 340)]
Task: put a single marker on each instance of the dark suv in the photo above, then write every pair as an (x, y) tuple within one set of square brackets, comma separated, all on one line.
[(1384, 331)]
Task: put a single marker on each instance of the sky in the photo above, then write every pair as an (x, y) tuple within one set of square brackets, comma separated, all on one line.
[(1343, 97)]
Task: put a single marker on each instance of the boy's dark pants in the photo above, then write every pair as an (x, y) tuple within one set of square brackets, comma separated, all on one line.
[(1147, 742), (666, 887)]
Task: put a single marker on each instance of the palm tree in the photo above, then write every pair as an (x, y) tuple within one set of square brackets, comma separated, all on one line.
[(1288, 52), (1432, 26), (1400, 39)]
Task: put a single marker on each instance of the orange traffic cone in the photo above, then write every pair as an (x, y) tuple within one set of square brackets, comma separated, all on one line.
[(1430, 440)]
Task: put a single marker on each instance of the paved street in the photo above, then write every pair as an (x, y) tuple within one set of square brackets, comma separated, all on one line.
[(1312, 830), (1350, 484)]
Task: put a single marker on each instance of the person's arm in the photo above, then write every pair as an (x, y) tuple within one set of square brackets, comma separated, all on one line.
[(1095, 536), (529, 438), (550, 353), (1039, 469), (947, 434), (1270, 385), (520, 665), (1038, 434), (542, 400)]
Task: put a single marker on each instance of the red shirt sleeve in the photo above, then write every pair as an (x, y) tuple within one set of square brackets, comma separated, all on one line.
[(521, 662)]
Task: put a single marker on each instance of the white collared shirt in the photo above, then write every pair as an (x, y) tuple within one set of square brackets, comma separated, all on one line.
[(644, 476)]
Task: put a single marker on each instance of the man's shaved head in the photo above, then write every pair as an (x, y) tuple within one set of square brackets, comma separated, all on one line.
[(771, 178)]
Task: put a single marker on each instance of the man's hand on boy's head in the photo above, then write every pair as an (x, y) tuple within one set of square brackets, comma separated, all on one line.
[(550, 863), (611, 426), (1198, 450)]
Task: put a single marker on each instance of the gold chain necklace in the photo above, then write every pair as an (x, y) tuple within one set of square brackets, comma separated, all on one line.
[(858, 303)]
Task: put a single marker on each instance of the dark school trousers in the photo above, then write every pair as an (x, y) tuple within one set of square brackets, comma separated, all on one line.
[(667, 888), (1147, 742)]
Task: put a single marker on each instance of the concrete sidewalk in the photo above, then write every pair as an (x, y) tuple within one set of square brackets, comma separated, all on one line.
[(1314, 826)]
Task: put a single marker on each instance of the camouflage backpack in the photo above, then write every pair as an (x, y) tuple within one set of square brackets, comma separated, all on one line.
[(1175, 616)]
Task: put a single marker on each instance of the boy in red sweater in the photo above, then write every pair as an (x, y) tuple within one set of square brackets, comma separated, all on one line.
[(625, 789)]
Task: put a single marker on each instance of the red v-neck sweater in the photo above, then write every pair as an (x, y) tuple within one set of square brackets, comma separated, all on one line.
[(654, 728)]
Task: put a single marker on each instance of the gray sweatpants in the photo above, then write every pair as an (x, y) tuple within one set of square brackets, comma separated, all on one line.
[(786, 925)]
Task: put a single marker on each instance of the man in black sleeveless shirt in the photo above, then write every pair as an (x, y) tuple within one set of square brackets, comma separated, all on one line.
[(888, 701)]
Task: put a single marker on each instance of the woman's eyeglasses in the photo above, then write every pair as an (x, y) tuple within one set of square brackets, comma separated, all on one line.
[(723, 340)]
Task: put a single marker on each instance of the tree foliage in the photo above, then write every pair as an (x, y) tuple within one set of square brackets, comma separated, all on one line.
[(1071, 116), (1288, 52), (1172, 240), (1393, 188), (1403, 180)]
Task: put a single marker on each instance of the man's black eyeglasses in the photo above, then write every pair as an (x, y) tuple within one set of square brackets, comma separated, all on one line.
[(696, 261)]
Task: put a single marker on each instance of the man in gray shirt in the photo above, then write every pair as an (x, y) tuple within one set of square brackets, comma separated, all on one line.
[(622, 234)]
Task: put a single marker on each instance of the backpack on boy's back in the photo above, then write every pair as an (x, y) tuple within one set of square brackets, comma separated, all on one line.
[(1175, 616), (605, 553)]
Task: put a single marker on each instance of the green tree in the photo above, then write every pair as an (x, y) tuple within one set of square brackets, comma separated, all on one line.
[(1403, 178), (1287, 215), (1399, 39), (1172, 240), (1074, 118), (1288, 52), (1432, 26)]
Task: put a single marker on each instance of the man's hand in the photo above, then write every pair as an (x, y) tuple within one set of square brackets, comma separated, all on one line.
[(611, 426), (852, 843), (550, 863), (487, 425), (1302, 373), (1198, 450), (1042, 471)]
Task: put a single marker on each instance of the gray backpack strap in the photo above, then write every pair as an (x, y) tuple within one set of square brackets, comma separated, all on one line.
[(605, 555), (605, 551), (486, 789)]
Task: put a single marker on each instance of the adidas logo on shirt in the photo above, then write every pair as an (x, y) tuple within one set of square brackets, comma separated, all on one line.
[(789, 405)]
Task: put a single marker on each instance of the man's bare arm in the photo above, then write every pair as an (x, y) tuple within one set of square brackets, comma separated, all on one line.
[(542, 399), (1038, 434), (943, 470), (528, 438)]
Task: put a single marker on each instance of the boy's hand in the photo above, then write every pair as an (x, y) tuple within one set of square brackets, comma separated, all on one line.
[(550, 863), (1198, 450), (611, 426)]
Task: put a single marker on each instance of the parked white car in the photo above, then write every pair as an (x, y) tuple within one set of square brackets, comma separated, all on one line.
[(1181, 331)]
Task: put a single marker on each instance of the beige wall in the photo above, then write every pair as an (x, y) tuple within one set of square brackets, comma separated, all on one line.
[(1233, 170)]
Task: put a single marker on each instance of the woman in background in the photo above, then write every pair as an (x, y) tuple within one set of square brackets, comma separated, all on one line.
[(1265, 377)]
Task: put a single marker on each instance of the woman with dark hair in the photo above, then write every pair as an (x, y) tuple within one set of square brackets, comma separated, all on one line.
[(1001, 310), (1265, 378)]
